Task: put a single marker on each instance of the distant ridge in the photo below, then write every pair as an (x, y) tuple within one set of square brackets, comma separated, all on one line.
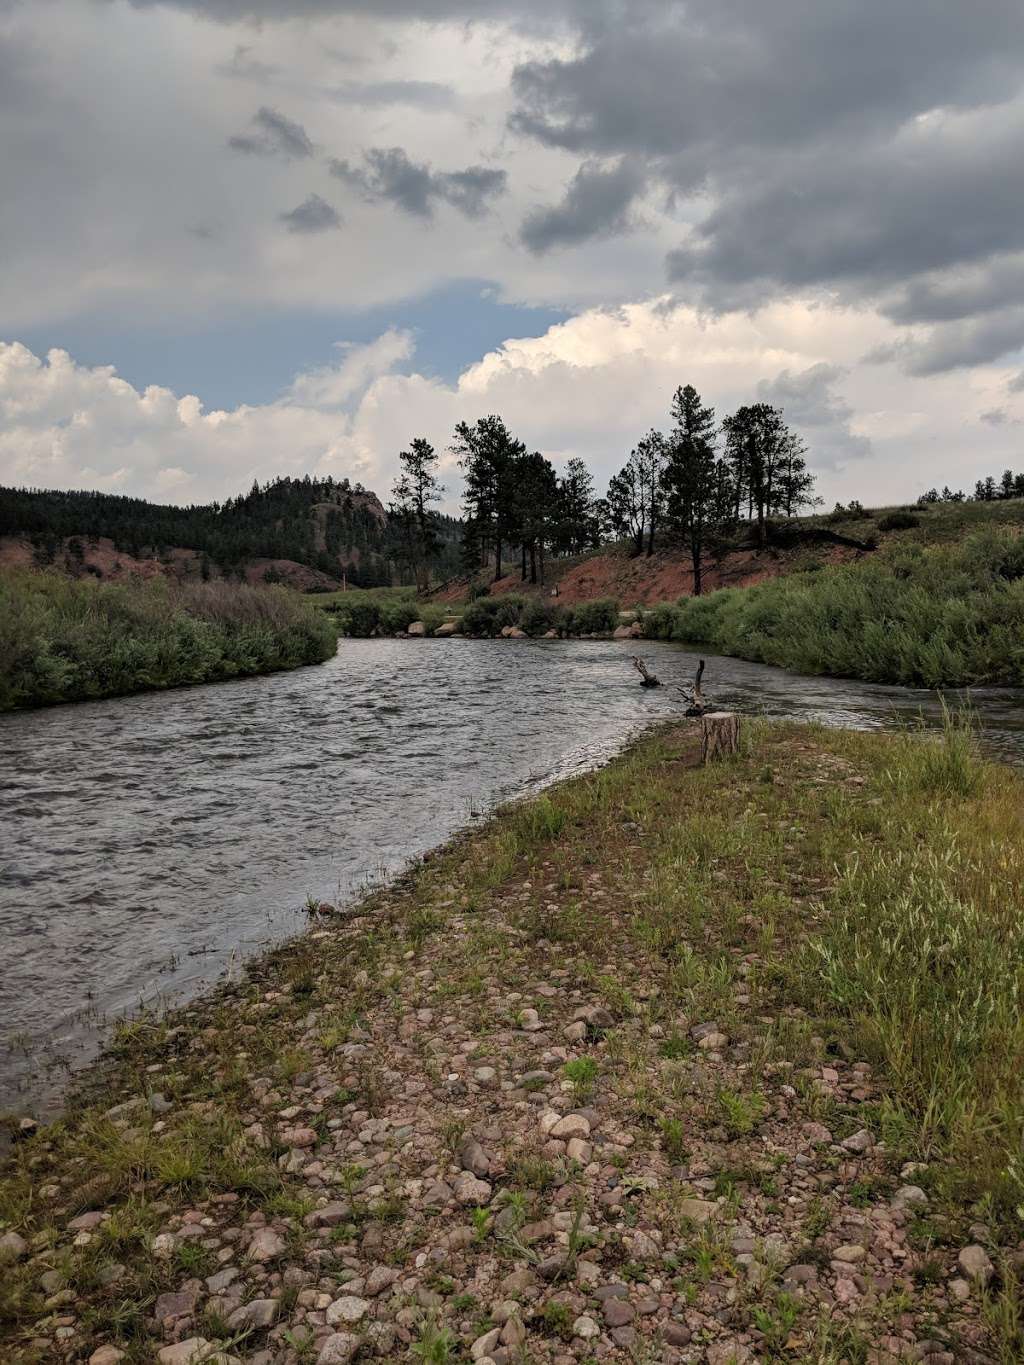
[(310, 533)]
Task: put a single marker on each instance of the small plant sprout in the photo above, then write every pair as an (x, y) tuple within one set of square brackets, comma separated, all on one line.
[(582, 1072)]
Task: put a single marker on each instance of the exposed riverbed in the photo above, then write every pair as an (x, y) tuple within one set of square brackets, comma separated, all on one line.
[(151, 842)]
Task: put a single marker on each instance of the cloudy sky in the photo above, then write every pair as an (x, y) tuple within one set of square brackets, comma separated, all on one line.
[(250, 237)]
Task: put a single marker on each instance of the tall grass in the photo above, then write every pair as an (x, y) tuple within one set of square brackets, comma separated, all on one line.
[(68, 640), (923, 948), (948, 615)]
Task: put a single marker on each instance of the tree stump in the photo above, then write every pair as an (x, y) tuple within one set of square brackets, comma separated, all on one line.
[(719, 735)]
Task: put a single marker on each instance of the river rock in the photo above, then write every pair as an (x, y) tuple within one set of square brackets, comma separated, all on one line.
[(975, 1263), (349, 1309), (447, 628), (470, 1191), (417, 628), (266, 1245), (338, 1349), (178, 1305), (859, 1142), (256, 1313), (472, 1157), (188, 1352), (572, 1126), (12, 1248)]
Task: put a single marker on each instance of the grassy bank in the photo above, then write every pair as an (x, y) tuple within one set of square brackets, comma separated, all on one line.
[(946, 615), (634, 1072), (69, 640)]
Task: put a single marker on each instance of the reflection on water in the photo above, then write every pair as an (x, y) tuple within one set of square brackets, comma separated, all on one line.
[(150, 841)]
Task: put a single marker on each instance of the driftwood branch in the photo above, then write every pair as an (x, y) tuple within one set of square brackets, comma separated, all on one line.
[(696, 703), (719, 735), (647, 679)]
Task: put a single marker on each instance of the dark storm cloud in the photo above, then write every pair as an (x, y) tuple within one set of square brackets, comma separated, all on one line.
[(857, 145), (374, 94), (966, 342), (924, 201), (243, 66), (312, 215), (596, 203), (387, 174), (275, 136), (863, 147), (724, 74), (944, 297), (814, 410)]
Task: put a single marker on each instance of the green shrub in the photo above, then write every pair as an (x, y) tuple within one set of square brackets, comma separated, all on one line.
[(432, 614), (594, 618), (508, 612), (539, 617), (398, 615), (487, 615), (361, 619), (478, 618), (899, 521), (66, 640), (948, 615)]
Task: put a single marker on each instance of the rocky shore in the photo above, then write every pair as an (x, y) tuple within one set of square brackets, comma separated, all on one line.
[(554, 1097)]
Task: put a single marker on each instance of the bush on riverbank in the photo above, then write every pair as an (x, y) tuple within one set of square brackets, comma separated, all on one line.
[(67, 640), (368, 615), (928, 617), (536, 616)]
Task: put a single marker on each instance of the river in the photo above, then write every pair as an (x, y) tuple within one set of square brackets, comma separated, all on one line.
[(149, 843)]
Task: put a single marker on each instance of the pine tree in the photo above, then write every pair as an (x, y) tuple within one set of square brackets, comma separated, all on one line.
[(768, 469), (487, 456), (697, 486), (415, 490)]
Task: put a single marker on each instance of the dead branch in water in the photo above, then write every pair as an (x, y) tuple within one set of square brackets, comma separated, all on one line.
[(647, 679), (696, 703)]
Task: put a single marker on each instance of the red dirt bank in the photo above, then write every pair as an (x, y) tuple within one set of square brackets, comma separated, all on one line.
[(663, 577)]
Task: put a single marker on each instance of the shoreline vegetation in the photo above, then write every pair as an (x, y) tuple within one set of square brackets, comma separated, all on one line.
[(64, 640), (945, 615), (669, 1063)]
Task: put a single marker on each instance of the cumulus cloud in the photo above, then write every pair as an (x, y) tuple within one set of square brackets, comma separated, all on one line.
[(312, 215), (587, 387), (389, 175), (275, 135), (73, 426), (596, 203), (335, 385)]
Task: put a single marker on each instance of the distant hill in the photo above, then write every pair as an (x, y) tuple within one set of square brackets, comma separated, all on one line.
[(310, 533)]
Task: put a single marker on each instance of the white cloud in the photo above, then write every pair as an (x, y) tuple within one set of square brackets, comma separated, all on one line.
[(334, 385), (589, 386)]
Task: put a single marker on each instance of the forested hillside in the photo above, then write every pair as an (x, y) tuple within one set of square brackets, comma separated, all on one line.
[(335, 527)]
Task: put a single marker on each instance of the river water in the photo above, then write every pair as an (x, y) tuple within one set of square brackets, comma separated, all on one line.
[(148, 843)]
